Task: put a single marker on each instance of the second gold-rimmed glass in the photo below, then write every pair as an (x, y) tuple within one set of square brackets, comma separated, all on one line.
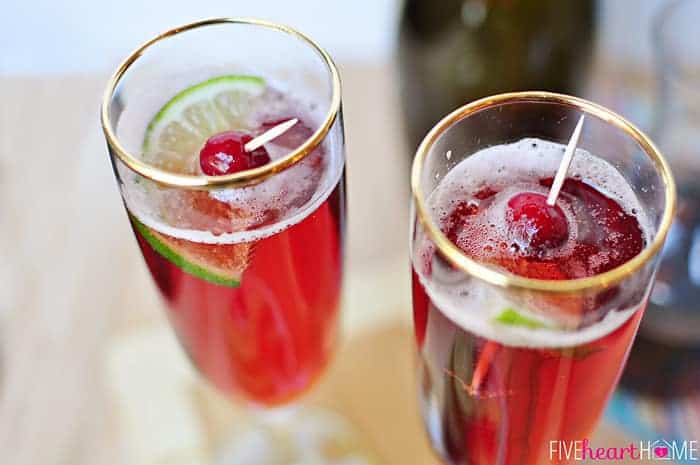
[(249, 263), (505, 391)]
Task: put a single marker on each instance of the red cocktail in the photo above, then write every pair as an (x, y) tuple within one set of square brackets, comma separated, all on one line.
[(241, 230), (525, 312), (254, 305), (270, 336)]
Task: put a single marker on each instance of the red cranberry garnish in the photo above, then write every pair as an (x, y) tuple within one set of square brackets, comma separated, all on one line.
[(536, 224), (225, 153)]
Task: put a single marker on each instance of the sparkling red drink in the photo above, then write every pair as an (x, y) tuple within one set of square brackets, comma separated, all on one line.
[(253, 303), (227, 143), (270, 337), (504, 374)]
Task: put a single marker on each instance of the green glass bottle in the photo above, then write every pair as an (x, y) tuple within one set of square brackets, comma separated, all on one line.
[(455, 51)]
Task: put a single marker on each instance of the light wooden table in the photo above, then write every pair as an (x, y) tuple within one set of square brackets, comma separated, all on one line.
[(74, 294)]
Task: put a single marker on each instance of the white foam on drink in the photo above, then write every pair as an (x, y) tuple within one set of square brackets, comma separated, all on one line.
[(297, 191), (473, 304), (330, 178)]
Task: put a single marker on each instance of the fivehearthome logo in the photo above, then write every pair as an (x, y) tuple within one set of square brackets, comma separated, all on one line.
[(659, 449)]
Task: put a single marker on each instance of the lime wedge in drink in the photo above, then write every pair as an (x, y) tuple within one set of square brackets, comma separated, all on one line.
[(221, 264), (511, 317), (180, 129)]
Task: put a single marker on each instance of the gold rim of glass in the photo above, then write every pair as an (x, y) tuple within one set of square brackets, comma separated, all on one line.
[(504, 279), (242, 178)]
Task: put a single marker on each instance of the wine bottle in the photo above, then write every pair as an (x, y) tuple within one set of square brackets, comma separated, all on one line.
[(454, 51)]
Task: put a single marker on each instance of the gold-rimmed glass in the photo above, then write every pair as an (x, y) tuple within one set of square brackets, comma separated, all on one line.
[(249, 264), (495, 393)]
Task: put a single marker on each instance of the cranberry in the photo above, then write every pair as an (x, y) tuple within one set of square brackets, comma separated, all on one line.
[(225, 153), (536, 224)]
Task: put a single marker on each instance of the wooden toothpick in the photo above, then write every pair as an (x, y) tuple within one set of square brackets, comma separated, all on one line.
[(270, 134), (565, 163)]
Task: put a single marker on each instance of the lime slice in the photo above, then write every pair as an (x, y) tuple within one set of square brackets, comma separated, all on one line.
[(511, 317), (221, 264), (180, 129)]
